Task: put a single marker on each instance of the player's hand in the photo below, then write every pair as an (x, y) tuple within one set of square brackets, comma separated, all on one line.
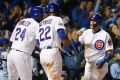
[(78, 33)]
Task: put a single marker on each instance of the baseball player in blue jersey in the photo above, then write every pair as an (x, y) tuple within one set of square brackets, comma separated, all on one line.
[(23, 41), (50, 34), (3, 59), (98, 49)]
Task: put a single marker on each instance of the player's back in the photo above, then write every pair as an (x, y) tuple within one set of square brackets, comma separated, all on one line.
[(23, 36), (3, 64), (48, 31)]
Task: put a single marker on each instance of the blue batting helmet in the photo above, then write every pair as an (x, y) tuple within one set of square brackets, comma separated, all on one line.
[(96, 17), (36, 12), (52, 7)]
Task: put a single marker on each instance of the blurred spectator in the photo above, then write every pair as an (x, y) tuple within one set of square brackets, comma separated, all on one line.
[(79, 13), (115, 32), (2, 33), (3, 21), (89, 5), (114, 65), (3, 59), (66, 22), (16, 13), (35, 61), (118, 6), (73, 61)]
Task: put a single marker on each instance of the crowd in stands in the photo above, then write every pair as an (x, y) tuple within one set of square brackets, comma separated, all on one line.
[(76, 15)]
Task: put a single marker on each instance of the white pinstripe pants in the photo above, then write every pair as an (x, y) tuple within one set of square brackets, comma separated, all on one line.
[(19, 65)]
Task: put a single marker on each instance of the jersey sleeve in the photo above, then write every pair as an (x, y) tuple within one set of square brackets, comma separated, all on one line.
[(109, 43), (59, 24)]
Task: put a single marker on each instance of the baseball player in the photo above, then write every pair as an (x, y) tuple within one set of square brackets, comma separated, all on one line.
[(51, 33), (98, 49), (23, 42), (3, 59)]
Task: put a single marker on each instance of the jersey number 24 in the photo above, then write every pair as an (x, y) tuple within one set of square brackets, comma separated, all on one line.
[(20, 34)]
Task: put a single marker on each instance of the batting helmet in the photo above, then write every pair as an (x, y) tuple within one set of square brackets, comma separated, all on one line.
[(36, 12), (96, 17), (52, 7)]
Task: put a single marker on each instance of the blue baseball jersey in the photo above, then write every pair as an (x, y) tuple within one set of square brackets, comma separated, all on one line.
[(3, 64)]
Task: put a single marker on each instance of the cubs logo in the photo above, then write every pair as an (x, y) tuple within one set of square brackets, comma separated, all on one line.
[(99, 44)]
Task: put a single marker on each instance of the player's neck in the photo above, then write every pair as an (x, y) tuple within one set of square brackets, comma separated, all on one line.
[(53, 14), (95, 30)]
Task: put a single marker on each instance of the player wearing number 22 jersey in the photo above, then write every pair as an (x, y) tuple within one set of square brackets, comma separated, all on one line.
[(23, 42), (50, 34)]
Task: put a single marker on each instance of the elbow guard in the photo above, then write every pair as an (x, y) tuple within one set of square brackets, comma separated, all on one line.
[(106, 58), (62, 34)]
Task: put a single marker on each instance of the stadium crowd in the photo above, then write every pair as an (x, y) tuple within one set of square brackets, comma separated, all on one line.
[(76, 16)]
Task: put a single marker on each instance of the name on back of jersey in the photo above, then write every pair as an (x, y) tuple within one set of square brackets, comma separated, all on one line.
[(25, 23), (44, 22)]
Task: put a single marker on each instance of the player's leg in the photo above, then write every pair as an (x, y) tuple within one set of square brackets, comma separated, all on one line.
[(87, 74), (98, 74), (52, 63), (12, 72), (102, 72), (23, 65), (44, 60), (55, 68)]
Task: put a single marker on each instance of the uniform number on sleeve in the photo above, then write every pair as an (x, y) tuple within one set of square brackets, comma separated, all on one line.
[(20, 34), (44, 33)]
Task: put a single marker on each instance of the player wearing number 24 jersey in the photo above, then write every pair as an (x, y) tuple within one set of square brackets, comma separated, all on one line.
[(23, 42)]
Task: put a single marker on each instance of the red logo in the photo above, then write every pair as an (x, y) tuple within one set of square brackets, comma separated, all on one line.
[(99, 44)]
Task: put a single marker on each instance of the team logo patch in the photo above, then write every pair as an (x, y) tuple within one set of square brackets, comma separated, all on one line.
[(99, 44)]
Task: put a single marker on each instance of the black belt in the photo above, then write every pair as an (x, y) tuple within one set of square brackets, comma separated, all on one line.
[(18, 50), (49, 47)]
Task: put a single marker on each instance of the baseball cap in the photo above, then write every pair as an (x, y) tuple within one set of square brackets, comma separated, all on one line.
[(117, 51)]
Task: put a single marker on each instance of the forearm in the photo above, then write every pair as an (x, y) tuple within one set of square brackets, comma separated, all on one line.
[(106, 58)]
